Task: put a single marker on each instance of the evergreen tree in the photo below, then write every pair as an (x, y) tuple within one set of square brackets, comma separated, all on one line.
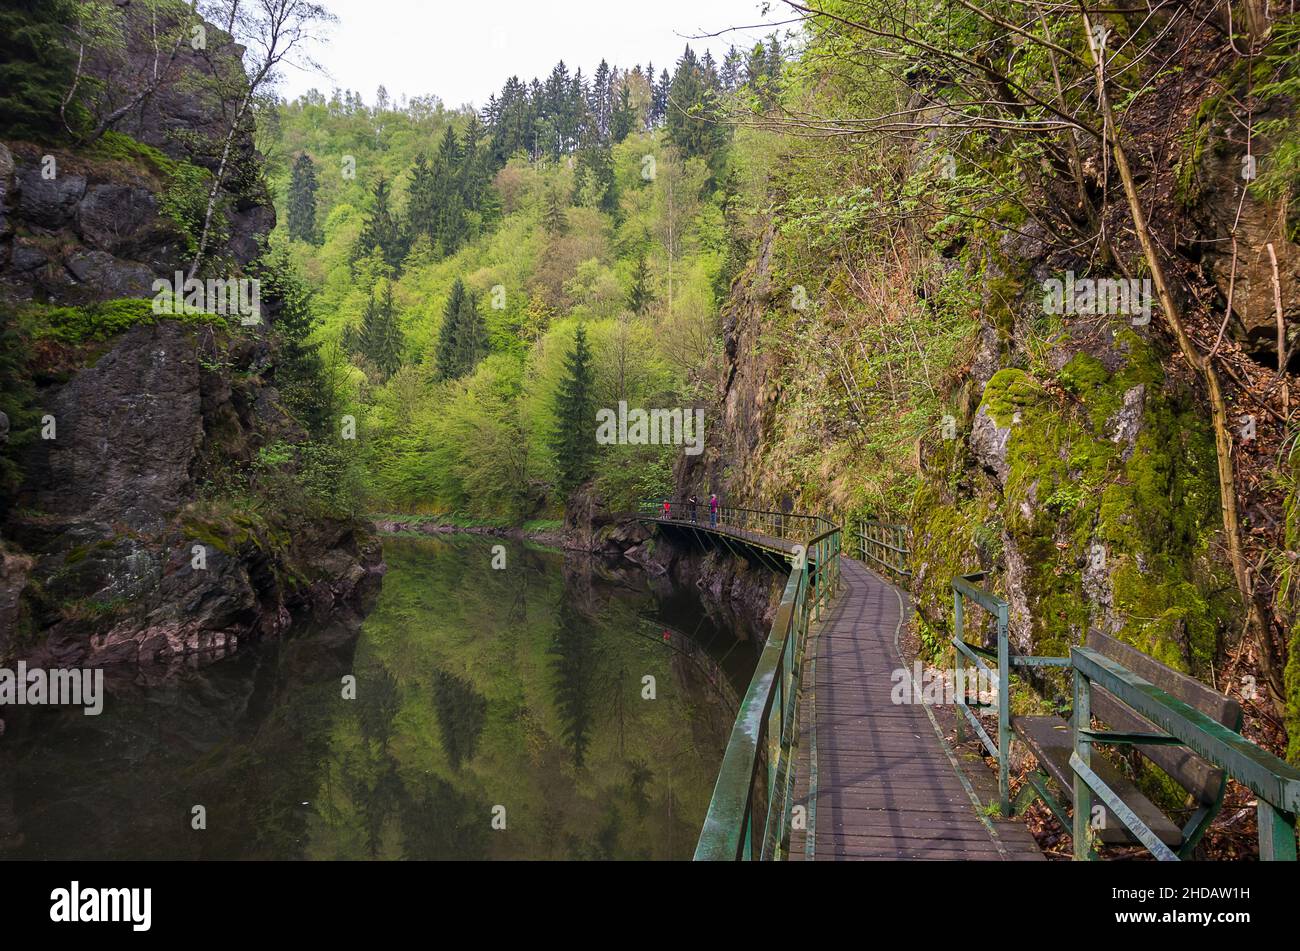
[(36, 65), (594, 183), (574, 438), (693, 116), (447, 357), (299, 371), (659, 98), (380, 338), (462, 340), (302, 199), (624, 118), (731, 68), (600, 101), (381, 229), (554, 220), (775, 58), (449, 226), (641, 294), (422, 202), (756, 67), (471, 336)]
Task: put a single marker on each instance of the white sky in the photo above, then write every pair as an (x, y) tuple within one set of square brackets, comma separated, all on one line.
[(464, 51)]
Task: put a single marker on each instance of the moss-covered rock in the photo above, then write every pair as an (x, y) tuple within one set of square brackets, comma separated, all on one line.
[(1104, 491)]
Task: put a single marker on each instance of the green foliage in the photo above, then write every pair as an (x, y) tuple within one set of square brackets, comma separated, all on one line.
[(573, 441), (17, 403), (106, 319), (462, 339), (379, 340), (184, 201), (36, 66), (300, 372), (302, 200), (1279, 176), (382, 233), (491, 269), (693, 120)]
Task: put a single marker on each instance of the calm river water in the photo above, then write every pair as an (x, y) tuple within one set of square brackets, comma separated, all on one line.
[(498, 714)]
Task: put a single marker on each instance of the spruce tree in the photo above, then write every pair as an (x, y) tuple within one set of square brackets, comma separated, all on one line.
[(299, 372), (574, 437), (554, 220), (380, 338), (389, 344), (449, 205), (594, 182), (659, 98), (381, 229), (447, 356), (471, 336), (302, 199), (731, 67), (36, 65), (624, 116), (422, 202), (640, 296)]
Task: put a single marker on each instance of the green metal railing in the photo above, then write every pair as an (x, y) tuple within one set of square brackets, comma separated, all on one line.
[(751, 810), (885, 545), (1274, 782), (782, 526)]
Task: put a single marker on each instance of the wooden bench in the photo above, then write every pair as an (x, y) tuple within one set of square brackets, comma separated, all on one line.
[(1051, 741)]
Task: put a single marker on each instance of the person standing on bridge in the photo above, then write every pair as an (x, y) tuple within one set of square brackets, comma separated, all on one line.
[(713, 509), (693, 507), (668, 509)]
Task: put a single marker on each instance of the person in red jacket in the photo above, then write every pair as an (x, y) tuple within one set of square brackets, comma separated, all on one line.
[(668, 509), (713, 509)]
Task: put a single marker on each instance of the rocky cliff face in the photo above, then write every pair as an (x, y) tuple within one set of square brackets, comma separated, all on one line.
[(102, 220), (1074, 461), (731, 587), (117, 547)]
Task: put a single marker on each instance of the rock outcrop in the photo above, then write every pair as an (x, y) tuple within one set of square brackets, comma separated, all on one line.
[(128, 541)]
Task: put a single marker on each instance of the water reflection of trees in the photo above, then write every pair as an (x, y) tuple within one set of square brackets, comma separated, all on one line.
[(462, 711), (574, 662)]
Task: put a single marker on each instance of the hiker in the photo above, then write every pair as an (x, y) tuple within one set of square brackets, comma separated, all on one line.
[(694, 505), (713, 509), (668, 509)]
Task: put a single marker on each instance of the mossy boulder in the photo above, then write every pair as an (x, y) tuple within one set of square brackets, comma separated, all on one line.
[(1101, 482)]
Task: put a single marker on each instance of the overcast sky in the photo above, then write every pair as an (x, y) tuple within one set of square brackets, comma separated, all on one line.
[(463, 52)]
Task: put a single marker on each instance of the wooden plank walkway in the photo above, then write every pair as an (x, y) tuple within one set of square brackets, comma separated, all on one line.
[(888, 787)]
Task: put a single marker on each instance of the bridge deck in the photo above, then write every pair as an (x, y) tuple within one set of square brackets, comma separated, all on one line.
[(782, 546), (887, 784)]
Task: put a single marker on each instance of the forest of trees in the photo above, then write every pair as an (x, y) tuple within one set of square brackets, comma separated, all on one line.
[(484, 280), (878, 199)]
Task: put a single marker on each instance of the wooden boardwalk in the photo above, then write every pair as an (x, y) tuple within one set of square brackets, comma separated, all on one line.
[(887, 785)]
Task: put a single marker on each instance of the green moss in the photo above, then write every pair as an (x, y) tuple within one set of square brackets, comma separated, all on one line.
[(121, 147), (104, 320), (1077, 505), (1084, 374), (231, 528), (1009, 392)]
